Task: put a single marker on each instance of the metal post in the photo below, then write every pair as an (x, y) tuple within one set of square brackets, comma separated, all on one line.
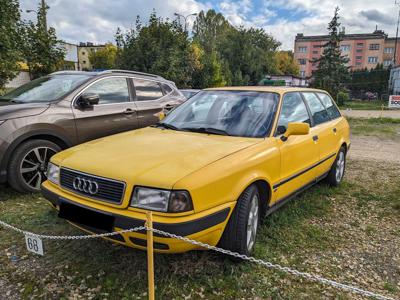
[(150, 256), (397, 34)]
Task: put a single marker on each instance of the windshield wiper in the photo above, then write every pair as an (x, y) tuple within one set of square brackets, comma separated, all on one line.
[(209, 130), (165, 125)]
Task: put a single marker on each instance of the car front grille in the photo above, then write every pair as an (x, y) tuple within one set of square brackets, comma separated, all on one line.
[(92, 186)]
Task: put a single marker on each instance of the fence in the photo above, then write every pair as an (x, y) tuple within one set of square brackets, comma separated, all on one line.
[(150, 259)]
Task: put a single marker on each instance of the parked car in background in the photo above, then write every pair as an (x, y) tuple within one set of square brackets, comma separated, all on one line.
[(66, 108), (189, 93), (222, 161)]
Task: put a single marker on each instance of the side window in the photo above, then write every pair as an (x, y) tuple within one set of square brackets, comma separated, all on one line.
[(167, 89), (110, 90), (147, 90), (293, 110), (333, 111), (318, 111)]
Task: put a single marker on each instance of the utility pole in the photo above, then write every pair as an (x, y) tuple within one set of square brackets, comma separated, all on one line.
[(185, 18), (396, 2), (43, 12)]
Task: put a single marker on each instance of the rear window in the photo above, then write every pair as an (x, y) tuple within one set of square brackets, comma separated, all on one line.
[(331, 108), (147, 90), (318, 111), (167, 89)]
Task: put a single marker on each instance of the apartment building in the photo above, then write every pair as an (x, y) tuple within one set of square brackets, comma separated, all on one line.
[(364, 50), (84, 49)]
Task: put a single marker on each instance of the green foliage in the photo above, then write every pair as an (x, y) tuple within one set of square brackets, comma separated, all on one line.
[(9, 43), (332, 72), (286, 64), (342, 98), (218, 54), (374, 80), (161, 47), (41, 48), (104, 58)]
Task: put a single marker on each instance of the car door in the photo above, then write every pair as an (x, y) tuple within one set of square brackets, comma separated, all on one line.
[(298, 153), (152, 98), (114, 113), (322, 130)]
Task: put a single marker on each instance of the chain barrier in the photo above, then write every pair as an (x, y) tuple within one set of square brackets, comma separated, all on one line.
[(308, 276)]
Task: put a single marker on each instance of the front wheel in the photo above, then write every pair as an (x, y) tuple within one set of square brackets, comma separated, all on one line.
[(28, 165), (336, 174), (241, 231)]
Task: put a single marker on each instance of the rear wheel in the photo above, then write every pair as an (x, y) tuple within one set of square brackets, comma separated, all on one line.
[(28, 165), (241, 231), (336, 174)]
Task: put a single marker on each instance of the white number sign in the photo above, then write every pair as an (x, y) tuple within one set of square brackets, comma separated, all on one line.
[(34, 244), (394, 101)]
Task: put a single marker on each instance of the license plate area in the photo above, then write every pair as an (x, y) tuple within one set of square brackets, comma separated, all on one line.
[(87, 217)]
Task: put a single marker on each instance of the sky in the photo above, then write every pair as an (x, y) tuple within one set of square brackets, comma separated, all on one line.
[(97, 20)]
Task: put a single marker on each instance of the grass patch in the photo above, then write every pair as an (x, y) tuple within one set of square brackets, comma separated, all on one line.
[(380, 127), (365, 105)]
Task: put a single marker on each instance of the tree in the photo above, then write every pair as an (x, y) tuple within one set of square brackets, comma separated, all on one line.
[(332, 72), (104, 58), (10, 54), (161, 47), (286, 64), (41, 48)]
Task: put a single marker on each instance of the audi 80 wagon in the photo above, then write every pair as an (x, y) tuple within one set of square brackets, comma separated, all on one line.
[(211, 170), (66, 108)]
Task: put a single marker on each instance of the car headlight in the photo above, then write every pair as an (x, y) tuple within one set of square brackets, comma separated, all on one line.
[(53, 173), (161, 200)]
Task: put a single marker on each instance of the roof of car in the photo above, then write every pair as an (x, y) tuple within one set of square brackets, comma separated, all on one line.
[(98, 73), (273, 89)]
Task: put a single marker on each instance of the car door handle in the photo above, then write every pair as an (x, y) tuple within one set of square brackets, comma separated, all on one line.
[(315, 138), (169, 106), (334, 130), (129, 111)]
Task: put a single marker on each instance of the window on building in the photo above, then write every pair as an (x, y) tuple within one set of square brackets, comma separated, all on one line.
[(303, 49), (83, 52), (345, 48), (358, 57), (302, 73), (387, 62), (147, 90), (374, 46), (302, 61), (360, 45), (84, 62), (388, 50), (110, 90), (372, 60), (358, 63), (359, 50), (317, 46), (315, 52)]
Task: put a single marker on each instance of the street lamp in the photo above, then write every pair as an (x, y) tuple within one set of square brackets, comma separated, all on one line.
[(43, 7), (185, 17)]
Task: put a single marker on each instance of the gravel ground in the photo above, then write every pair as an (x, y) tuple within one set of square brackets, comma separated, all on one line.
[(395, 114), (374, 148)]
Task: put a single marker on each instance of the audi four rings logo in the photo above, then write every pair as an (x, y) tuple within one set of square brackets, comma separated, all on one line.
[(85, 185)]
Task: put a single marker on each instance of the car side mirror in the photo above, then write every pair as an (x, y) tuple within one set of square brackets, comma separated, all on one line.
[(296, 129), (88, 99)]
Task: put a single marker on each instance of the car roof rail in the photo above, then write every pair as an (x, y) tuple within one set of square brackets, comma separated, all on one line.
[(130, 72)]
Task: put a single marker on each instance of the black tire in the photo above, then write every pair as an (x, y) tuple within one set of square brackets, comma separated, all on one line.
[(19, 180), (235, 234), (333, 178)]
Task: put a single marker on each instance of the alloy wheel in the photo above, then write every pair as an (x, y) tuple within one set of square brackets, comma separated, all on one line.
[(33, 166), (252, 222), (340, 163)]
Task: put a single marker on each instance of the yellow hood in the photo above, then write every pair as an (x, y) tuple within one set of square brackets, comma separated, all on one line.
[(150, 156)]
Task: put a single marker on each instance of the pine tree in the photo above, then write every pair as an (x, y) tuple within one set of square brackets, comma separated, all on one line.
[(332, 73)]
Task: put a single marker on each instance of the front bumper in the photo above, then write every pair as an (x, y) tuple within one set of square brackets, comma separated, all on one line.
[(206, 227)]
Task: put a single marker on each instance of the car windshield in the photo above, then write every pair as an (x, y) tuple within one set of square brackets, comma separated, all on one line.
[(234, 113), (46, 89)]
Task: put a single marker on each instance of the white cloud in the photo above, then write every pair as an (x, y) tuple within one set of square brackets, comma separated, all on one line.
[(97, 20)]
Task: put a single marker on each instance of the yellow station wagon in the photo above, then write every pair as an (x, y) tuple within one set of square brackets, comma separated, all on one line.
[(211, 170)]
